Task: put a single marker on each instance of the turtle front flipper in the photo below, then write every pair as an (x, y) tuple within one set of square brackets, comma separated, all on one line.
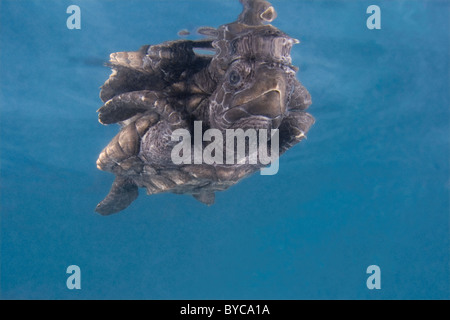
[(121, 157), (127, 105), (123, 192), (299, 99)]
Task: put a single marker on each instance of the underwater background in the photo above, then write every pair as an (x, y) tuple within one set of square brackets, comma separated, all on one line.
[(370, 185)]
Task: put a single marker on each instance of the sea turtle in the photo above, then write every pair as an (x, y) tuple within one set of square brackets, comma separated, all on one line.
[(247, 83)]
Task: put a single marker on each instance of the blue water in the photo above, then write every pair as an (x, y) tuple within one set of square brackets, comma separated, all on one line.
[(370, 185)]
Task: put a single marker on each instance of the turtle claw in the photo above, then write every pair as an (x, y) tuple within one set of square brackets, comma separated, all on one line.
[(293, 129), (301, 135)]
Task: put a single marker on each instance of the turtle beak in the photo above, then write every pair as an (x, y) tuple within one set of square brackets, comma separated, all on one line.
[(265, 98)]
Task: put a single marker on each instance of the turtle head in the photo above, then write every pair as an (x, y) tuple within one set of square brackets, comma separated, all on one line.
[(254, 78), (252, 95), (253, 71)]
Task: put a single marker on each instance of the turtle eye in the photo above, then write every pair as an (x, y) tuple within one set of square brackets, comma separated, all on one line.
[(234, 77)]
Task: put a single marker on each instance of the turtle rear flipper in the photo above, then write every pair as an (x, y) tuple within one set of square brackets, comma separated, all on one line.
[(123, 192), (207, 198)]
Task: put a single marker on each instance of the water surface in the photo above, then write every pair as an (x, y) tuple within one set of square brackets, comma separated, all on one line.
[(370, 185)]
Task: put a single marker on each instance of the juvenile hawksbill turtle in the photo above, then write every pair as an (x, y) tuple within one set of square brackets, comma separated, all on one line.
[(249, 82)]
